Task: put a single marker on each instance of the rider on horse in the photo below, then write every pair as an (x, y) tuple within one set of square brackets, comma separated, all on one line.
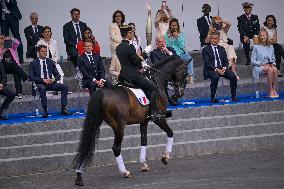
[(131, 69)]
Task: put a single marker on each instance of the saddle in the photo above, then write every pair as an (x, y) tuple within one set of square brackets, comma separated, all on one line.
[(124, 81)]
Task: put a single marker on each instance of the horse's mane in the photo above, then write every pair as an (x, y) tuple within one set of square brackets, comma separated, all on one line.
[(165, 61)]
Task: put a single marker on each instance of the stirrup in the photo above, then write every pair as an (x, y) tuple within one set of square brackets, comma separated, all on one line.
[(145, 167)]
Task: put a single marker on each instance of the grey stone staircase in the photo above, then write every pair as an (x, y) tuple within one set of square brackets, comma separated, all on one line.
[(34, 147), (43, 146)]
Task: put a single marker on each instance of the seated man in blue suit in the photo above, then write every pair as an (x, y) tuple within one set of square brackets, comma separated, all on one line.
[(216, 65), (92, 69), (41, 72), (161, 52)]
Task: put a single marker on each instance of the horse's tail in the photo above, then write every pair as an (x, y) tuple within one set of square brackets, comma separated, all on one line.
[(90, 132)]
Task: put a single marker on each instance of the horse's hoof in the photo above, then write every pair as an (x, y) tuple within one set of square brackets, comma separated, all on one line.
[(79, 181), (145, 167), (165, 159), (127, 174)]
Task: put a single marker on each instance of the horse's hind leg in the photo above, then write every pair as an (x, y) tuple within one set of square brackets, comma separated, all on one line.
[(116, 148), (143, 131), (165, 127)]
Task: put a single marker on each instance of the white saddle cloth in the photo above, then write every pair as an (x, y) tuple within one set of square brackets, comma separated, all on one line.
[(140, 95)]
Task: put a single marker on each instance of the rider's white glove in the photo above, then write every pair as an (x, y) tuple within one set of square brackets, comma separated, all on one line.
[(148, 49), (145, 65)]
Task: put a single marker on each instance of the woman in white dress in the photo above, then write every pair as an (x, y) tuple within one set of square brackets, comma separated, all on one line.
[(52, 50), (118, 18)]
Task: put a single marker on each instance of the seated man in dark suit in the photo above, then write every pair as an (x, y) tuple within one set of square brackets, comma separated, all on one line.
[(161, 52), (204, 23), (33, 33), (72, 34), (41, 71), (216, 65), (92, 68), (10, 95)]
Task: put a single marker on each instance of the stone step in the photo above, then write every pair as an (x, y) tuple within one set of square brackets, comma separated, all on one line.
[(245, 86), (180, 135), (184, 113), (79, 100), (60, 136), (56, 162), (201, 130)]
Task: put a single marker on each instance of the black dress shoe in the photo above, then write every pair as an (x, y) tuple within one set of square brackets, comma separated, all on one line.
[(2, 117), (280, 75), (234, 99), (45, 115), (214, 100), (65, 112)]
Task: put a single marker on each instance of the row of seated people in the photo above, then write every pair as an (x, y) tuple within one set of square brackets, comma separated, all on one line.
[(44, 73), (174, 25), (248, 26), (36, 36), (75, 31)]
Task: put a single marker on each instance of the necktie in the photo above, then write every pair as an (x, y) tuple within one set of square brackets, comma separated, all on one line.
[(219, 65), (90, 58), (44, 70), (78, 33), (36, 30), (208, 17)]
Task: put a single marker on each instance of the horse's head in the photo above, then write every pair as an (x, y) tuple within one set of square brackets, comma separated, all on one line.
[(174, 70), (179, 78)]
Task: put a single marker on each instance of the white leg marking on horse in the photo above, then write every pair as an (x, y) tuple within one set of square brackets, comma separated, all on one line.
[(143, 154), (120, 164), (169, 146)]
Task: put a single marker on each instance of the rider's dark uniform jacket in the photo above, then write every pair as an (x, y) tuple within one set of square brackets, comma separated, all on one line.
[(129, 60)]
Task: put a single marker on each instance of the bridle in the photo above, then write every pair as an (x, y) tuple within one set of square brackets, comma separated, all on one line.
[(177, 85)]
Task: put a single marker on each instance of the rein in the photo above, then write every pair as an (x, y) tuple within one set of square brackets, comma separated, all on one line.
[(172, 82)]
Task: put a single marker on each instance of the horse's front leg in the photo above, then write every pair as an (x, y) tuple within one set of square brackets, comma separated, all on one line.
[(143, 131), (165, 127)]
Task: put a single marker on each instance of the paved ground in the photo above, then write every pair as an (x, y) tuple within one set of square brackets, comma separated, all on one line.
[(253, 170)]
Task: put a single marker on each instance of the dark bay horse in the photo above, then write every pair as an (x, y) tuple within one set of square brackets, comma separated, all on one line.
[(118, 107)]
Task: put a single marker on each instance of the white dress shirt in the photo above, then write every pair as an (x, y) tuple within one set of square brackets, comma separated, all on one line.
[(213, 48)]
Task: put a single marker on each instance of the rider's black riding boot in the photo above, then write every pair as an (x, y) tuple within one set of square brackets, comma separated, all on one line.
[(155, 114)]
